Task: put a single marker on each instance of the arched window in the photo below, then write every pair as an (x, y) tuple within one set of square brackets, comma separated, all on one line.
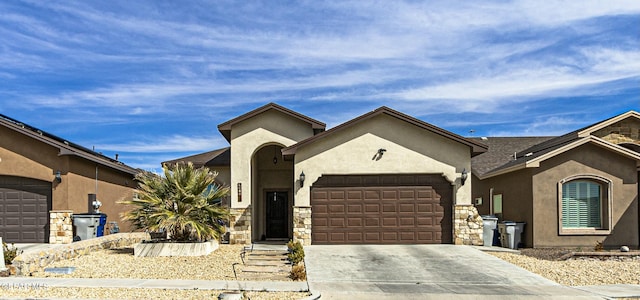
[(584, 205)]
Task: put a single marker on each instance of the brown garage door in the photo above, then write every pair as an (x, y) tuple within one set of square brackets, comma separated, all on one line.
[(24, 209), (381, 209)]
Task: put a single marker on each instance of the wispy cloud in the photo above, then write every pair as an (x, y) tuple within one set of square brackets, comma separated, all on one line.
[(90, 67), (175, 144)]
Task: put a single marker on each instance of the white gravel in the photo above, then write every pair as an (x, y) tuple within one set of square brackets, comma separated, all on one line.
[(121, 263), (576, 272)]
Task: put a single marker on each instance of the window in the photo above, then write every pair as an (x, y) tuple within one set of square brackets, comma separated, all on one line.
[(584, 205)]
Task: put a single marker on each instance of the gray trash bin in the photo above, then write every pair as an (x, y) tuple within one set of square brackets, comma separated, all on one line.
[(88, 225), (489, 224), (511, 233)]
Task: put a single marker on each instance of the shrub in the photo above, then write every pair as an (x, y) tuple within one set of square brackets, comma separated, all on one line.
[(298, 273), (598, 247), (10, 253), (296, 252)]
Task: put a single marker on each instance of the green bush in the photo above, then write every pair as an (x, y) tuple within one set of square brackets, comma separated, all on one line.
[(296, 252), (10, 253)]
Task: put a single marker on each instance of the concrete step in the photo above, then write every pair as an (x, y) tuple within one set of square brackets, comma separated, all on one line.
[(254, 262), (262, 257), (265, 276), (267, 252), (266, 269)]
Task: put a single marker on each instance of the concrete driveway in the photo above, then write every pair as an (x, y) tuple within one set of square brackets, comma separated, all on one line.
[(423, 272)]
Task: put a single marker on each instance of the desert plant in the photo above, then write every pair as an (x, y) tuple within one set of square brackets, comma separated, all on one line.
[(298, 273), (10, 252), (598, 247), (185, 202), (296, 252)]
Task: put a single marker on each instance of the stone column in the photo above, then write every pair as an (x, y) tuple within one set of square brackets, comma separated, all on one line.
[(467, 226), (240, 225), (302, 224), (60, 227)]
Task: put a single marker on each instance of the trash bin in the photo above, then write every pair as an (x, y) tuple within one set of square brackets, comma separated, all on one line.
[(489, 224), (511, 233), (89, 226)]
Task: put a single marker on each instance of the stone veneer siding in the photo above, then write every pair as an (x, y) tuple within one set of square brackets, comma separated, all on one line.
[(240, 225), (467, 226), (302, 224), (37, 260), (61, 227), (625, 131)]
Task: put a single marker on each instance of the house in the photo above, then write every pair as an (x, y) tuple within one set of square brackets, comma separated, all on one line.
[(42, 174), (572, 191), (381, 178)]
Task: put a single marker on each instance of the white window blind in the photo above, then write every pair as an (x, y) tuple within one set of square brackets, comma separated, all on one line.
[(581, 204)]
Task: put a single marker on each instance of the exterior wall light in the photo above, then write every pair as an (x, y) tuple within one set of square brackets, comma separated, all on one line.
[(302, 178), (58, 176), (464, 176)]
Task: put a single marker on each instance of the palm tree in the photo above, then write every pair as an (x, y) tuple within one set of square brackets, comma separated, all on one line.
[(185, 202)]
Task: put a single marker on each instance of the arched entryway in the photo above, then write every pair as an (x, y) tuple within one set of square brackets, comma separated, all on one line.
[(272, 203)]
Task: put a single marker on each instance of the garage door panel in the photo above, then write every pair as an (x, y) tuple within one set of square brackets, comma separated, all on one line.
[(336, 222), (320, 222), (407, 208), (372, 208), (407, 221), (355, 222), (372, 236), (391, 195), (24, 209), (383, 214), (355, 237), (371, 222), (354, 208), (320, 209), (354, 195), (370, 195), (389, 208), (336, 208), (424, 208), (390, 222)]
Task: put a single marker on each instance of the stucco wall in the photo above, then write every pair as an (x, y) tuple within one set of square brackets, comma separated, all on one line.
[(23, 156), (517, 199), (247, 137), (586, 159), (409, 150)]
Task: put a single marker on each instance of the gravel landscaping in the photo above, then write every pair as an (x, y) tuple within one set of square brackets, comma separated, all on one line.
[(576, 271), (121, 263)]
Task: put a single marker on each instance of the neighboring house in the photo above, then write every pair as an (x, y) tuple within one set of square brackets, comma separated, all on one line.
[(40, 173), (572, 191), (381, 178)]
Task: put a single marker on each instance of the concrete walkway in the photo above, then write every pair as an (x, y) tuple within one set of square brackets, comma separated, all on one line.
[(270, 286)]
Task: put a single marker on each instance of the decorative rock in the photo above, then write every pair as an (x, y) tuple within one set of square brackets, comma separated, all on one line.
[(624, 249), (230, 296)]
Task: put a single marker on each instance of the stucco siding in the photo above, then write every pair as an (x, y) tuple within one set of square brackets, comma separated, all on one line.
[(409, 149), (587, 159), (22, 156), (249, 136), (516, 192)]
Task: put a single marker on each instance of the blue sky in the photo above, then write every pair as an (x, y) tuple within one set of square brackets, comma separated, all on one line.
[(151, 80)]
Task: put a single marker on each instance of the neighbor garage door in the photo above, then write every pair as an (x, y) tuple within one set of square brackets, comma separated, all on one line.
[(24, 207), (381, 209)]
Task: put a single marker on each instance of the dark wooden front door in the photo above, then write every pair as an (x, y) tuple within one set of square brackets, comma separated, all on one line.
[(277, 204)]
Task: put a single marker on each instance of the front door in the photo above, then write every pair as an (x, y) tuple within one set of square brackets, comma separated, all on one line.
[(277, 204)]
